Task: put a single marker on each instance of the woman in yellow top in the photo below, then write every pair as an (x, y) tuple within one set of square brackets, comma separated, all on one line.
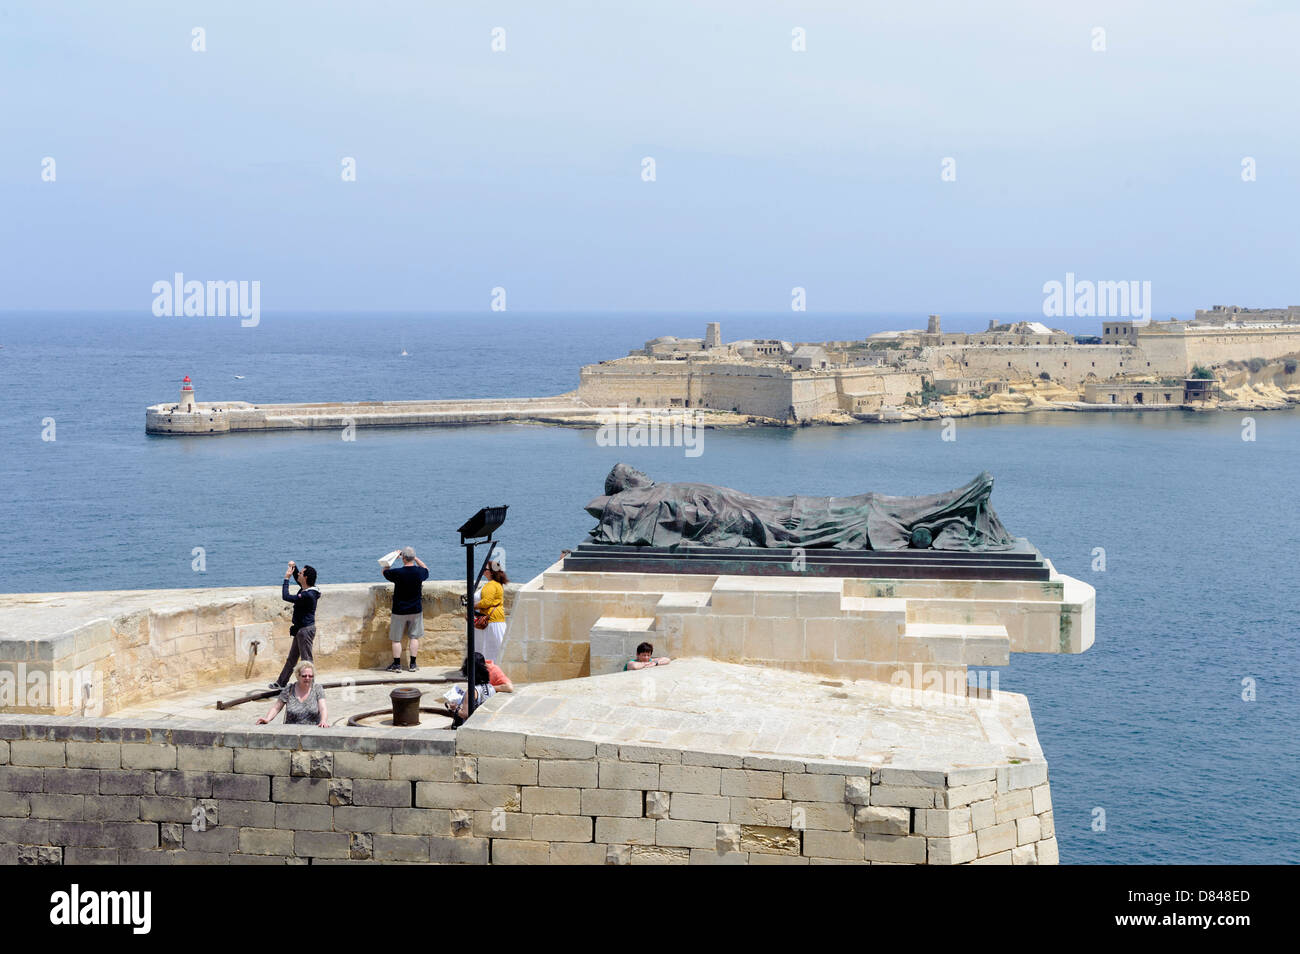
[(492, 602)]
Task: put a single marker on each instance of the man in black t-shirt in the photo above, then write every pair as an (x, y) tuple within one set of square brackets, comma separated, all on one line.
[(408, 607)]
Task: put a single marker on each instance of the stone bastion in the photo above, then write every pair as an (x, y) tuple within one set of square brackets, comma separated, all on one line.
[(805, 721)]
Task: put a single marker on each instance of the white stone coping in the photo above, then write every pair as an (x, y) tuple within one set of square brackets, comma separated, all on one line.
[(623, 624)]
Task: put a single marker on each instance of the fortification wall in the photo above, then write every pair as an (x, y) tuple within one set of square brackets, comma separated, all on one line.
[(750, 389), (1208, 348), (851, 390), (642, 384), (814, 393), (892, 386), (140, 792), (1069, 364), (1167, 355), (760, 390)]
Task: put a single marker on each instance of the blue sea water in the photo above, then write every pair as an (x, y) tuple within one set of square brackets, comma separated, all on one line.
[(1199, 526)]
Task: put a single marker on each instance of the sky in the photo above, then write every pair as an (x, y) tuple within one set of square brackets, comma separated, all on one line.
[(774, 168)]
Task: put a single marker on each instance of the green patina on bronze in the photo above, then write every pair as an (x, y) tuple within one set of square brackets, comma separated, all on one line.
[(637, 511)]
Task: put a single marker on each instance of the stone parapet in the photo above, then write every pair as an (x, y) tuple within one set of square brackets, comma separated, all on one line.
[(533, 778), (97, 652)]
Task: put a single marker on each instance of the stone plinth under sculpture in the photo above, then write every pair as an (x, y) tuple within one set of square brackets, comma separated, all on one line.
[(862, 587)]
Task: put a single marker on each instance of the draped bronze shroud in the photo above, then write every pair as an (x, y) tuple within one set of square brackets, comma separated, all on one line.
[(639, 512)]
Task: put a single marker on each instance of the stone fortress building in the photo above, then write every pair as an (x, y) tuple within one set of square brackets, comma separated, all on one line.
[(766, 378), (1128, 349), (797, 382)]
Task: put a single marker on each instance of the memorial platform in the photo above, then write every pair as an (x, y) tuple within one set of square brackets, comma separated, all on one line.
[(866, 621)]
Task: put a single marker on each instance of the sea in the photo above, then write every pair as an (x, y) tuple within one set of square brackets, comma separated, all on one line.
[(1172, 740)]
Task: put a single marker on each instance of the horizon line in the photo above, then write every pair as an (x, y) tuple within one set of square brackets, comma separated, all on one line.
[(145, 312)]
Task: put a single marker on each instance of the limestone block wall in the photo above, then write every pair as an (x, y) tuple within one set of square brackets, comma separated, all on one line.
[(1163, 354), (1051, 616), (764, 391), (1169, 354), (142, 644), (637, 384), (1209, 347), (813, 393), (614, 642), (1070, 364), (1142, 395), (852, 390), (76, 791), (548, 634), (761, 390)]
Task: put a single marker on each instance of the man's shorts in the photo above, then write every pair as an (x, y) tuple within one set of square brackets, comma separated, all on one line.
[(410, 625)]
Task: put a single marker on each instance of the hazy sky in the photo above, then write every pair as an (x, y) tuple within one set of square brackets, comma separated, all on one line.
[(775, 168)]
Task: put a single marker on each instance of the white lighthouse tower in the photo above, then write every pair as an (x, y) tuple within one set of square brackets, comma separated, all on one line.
[(187, 396)]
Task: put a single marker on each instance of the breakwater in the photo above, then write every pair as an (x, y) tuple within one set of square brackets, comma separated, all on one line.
[(234, 416)]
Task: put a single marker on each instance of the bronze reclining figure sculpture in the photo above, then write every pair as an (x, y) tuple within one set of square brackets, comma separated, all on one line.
[(637, 511)]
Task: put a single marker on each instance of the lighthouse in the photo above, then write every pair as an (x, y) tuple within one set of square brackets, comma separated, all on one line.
[(187, 395)]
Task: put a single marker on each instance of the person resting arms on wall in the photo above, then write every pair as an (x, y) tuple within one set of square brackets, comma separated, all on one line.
[(645, 658), (303, 702)]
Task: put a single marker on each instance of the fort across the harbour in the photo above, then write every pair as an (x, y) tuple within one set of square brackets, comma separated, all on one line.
[(1225, 358)]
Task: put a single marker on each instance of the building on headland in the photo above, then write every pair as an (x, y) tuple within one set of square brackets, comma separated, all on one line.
[(1128, 349), (1198, 389), (1128, 393), (713, 335), (809, 358), (801, 381), (996, 334), (958, 385), (1236, 315)]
